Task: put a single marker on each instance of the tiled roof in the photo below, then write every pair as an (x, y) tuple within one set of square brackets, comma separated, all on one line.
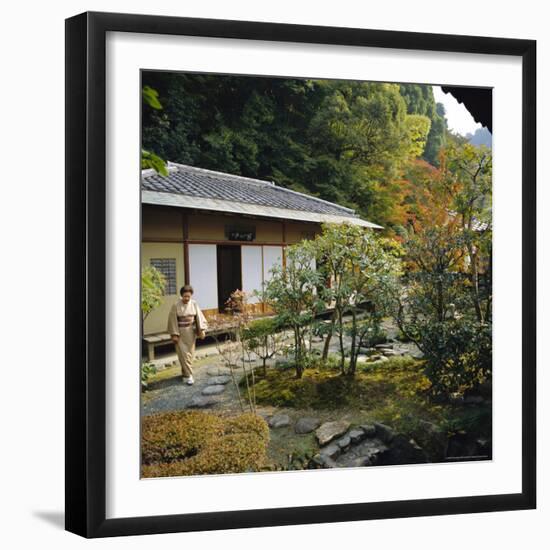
[(197, 182)]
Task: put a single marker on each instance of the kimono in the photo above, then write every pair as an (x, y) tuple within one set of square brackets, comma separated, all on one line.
[(183, 321)]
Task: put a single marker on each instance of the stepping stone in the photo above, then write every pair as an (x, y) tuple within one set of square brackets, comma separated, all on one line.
[(331, 430), (218, 380), (306, 425), (213, 390), (218, 371), (279, 421), (202, 401)]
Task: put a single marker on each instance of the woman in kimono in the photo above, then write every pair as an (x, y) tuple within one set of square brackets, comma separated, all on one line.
[(186, 322)]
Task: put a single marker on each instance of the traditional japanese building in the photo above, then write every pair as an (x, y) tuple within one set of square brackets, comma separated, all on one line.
[(220, 232)]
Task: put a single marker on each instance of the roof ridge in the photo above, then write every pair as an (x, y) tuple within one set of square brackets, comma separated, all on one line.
[(333, 204)]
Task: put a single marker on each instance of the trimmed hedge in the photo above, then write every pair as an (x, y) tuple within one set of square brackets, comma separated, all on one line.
[(195, 442)]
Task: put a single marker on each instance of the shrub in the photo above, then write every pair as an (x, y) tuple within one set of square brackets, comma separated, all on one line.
[(147, 370), (195, 443), (458, 354)]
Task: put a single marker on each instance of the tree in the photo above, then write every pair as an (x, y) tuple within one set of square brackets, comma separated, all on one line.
[(292, 293), (469, 179), (362, 269), (435, 311), (148, 158)]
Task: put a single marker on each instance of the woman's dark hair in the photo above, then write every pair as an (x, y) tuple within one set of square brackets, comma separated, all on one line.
[(186, 288)]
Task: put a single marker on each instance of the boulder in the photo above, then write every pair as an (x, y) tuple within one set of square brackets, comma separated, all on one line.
[(364, 454), (306, 425), (279, 421), (432, 439), (356, 435), (383, 432), (403, 451), (368, 429), (331, 451), (344, 442), (213, 390), (331, 430)]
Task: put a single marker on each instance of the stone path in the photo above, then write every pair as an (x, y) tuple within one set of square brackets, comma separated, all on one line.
[(213, 388)]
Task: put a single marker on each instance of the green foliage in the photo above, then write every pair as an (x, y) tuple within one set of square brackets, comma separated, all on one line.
[(151, 97), (153, 283), (292, 294), (420, 101), (363, 269), (342, 141), (458, 353), (264, 337), (147, 370), (418, 127), (437, 312), (149, 159), (194, 443)]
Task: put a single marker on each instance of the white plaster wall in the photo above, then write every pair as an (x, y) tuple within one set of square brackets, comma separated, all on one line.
[(203, 274)]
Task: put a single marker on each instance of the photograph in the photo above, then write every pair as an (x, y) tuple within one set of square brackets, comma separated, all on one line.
[(316, 274)]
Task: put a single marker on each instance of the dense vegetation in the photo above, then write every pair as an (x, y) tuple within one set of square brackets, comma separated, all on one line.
[(346, 142), (384, 150)]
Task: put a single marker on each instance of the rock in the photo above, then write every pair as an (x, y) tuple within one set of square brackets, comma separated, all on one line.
[(363, 454), (202, 401), (384, 346), (279, 421), (363, 359), (357, 435), (344, 442), (218, 371), (306, 425), (389, 353), (331, 451), (331, 430), (218, 380), (321, 461), (359, 462), (383, 358), (432, 439), (383, 432), (403, 451), (368, 429), (213, 390)]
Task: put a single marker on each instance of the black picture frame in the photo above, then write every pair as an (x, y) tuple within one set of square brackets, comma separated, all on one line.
[(86, 284)]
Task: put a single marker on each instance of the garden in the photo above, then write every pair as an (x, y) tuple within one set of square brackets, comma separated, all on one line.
[(374, 351)]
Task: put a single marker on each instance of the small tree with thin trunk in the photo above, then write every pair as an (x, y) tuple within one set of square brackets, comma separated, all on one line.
[(363, 270), (292, 294)]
